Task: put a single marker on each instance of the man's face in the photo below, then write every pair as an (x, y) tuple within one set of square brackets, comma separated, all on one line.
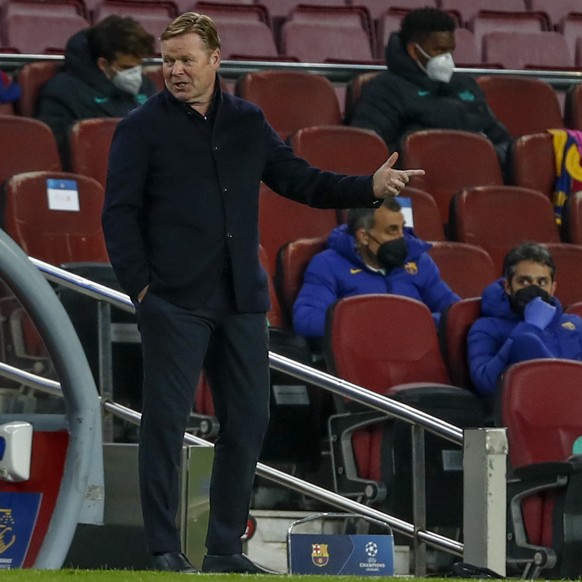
[(189, 68), (388, 225), (529, 273), (435, 44), (121, 62)]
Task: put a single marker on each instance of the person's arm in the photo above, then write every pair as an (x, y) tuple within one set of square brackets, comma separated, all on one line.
[(318, 292), (490, 352), (122, 210), (488, 355), (55, 110), (495, 131), (295, 179), (436, 294), (380, 109)]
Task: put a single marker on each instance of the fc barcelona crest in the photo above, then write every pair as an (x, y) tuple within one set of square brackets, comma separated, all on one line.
[(319, 554)]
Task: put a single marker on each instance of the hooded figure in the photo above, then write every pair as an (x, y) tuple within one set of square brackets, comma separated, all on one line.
[(420, 90), (102, 77), (521, 320)]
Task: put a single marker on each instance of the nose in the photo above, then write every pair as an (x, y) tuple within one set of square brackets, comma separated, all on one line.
[(177, 68)]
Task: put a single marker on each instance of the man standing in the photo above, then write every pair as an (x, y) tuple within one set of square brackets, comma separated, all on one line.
[(180, 222), (373, 253), (420, 90)]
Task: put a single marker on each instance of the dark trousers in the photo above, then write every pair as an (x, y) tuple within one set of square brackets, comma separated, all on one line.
[(233, 349)]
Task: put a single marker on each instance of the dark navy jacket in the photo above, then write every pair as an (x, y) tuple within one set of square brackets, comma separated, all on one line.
[(182, 196), (491, 336), (339, 271)]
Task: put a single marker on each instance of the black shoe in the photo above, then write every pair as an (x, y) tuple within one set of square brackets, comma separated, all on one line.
[(174, 562), (238, 563)]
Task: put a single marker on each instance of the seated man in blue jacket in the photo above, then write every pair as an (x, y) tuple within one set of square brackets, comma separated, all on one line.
[(373, 253), (521, 319)]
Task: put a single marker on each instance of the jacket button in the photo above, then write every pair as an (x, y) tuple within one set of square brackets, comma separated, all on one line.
[(228, 235), (225, 189)]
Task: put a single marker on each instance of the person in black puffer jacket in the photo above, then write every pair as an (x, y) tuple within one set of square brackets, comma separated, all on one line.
[(102, 77), (421, 91)]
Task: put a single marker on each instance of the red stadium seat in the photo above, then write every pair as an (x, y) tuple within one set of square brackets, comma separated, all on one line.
[(520, 50), (452, 160), (57, 230), (282, 220), (31, 78), (542, 412), (90, 140), (523, 104), (497, 218), (291, 99), (454, 327), (292, 260), (533, 163), (467, 269), (27, 145), (383, 343), (35, 27)]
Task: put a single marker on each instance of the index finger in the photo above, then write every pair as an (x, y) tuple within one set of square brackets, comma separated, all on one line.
[(414, 172)]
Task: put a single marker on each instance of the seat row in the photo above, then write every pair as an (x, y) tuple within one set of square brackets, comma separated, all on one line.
[(454, 161), (294, 99), (389, 345), (64, 236), (308, 32)]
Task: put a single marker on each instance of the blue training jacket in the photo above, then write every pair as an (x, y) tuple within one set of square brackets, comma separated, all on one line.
[(491, 336), (339, 272)]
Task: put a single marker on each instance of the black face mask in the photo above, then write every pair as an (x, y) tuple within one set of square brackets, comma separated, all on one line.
[(520, 298), (392, 254)]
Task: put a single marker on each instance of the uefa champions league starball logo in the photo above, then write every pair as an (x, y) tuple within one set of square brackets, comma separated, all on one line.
[(371, 549)]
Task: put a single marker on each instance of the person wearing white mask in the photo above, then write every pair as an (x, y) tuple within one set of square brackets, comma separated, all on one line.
[(421, 89), (102, 77)]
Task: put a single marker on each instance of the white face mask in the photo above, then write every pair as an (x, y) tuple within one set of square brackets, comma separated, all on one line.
[(128, 80), (439, 68)]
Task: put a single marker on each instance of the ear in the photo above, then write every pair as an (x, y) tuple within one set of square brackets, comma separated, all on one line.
[(362, 237), (553, 289), (102, 64), (506, 286), (412, 51), (215, 59)]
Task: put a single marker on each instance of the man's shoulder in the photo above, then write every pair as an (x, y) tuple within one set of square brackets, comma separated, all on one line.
[(388, 79), (331, 261), (492, 325), (65, 83), (240, 105)]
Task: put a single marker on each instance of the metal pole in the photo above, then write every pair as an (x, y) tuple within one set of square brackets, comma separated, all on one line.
[(105, 365), (485, 497), (418, 497)]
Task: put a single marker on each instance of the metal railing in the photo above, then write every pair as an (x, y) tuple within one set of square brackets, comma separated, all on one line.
[(108, 297), (338, 73)]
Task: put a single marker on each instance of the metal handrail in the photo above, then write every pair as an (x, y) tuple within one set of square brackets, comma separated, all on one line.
[(326, 381), (283, 364), (340, 73)]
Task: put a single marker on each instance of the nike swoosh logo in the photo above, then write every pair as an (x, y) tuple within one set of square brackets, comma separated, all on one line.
[(355, 271), (422, 93), (100, 99)]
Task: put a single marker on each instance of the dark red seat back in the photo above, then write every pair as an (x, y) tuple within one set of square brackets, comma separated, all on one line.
[(454, 327), (379, 341), (452, 160)]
